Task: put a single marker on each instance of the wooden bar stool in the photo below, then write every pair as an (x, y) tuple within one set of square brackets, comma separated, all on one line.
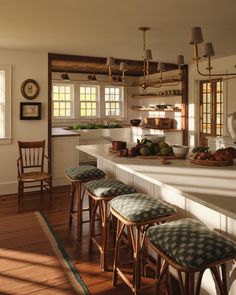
[(101, 192), (78, 176), (136, 212), (189, 246)]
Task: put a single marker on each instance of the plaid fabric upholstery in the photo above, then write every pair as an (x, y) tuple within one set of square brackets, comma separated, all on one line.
[(141, 207), (109, 188), (191, 243), (84, 172)]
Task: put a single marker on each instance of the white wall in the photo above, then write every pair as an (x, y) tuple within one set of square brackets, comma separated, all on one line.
[(25, 65), (220, 65)]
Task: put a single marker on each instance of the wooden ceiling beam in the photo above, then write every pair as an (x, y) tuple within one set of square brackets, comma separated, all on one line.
[(97, 65)]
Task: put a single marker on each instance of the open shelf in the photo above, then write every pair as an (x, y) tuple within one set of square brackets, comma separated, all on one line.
[(156, 96), (152, 110)]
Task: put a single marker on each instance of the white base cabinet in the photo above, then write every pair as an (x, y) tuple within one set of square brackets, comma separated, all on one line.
[(64, 155)]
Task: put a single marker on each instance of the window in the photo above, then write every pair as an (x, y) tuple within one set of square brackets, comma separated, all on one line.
[(88, 101), (81, 100), (5, 103), (62, 98), (211, 109), (113, 101)]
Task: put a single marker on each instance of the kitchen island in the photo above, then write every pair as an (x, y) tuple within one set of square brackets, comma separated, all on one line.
[(205, 193)]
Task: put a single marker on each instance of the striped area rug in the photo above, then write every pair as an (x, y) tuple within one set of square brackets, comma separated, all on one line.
[(32, 259)]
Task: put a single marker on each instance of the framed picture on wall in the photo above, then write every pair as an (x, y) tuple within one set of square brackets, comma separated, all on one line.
[(30, 110)]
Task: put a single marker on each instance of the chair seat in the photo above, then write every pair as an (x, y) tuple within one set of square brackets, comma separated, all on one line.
[(191, 243), (140, 207), (108, 188), (84, 172), (34, 176)]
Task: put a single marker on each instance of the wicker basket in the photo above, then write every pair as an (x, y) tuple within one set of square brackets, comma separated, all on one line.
[(162, 123)]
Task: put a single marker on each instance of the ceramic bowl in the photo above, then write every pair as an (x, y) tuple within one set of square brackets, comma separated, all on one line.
[(180, 151), (155, 138)]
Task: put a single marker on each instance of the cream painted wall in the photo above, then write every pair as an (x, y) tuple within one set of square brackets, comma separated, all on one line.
[(220, 65), (25, 65)]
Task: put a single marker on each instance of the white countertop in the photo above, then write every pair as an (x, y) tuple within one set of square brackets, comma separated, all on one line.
[(214, 187), (60, 131)]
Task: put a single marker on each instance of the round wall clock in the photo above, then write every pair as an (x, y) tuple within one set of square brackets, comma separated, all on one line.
[(30, 89)]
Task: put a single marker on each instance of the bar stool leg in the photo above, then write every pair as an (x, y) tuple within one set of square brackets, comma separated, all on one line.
[(79, 210), (72, 199), (224, 278), (191, 283), (216, 274), (105, 231), (181, 284), (199, 281), (163, 270), (136, 275), (119, 230), (168, 282), (94, 206)]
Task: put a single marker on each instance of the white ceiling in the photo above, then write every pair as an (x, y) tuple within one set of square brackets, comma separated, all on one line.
[(110, 28)]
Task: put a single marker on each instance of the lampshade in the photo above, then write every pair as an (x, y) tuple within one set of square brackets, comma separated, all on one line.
[(160, 67), (147, 55), (196, 35), (180, 60), (208, 50), (65, 76), (110, 61), (123, 66)]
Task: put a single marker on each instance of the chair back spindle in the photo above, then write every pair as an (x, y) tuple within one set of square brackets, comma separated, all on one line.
[(32, 154)]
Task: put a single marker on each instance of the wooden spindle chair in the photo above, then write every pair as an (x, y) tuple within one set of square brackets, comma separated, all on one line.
[(31, 168)]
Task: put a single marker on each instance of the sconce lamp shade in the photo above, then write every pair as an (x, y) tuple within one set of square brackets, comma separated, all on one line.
[(160, 67), (208, 50), (196, 35), (65, 76), (123, 66), (147, 54), (180, 60), (110, 61)]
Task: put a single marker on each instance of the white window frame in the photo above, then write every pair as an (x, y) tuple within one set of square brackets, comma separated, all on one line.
[(58, 118), (100, 102), (97, 101), (121, 101), (6, 138)]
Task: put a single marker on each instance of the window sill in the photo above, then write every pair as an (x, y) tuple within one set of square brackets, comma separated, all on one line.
[(6, 140)]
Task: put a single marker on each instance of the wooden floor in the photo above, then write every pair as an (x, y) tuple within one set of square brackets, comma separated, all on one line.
[(56, 210)]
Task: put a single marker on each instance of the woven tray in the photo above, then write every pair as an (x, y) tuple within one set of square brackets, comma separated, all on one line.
[(211, 162)]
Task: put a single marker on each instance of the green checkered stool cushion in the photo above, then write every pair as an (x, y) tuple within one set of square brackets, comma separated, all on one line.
[(84, 172), (109, 188), (191, 243), (140, 207)]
